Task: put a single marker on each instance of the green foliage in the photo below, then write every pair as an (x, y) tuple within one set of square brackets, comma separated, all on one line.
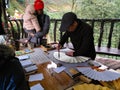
[(97, 8), (88, 9), (83, 8), (14, 5)]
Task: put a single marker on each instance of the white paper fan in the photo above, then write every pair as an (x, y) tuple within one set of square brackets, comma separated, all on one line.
[(65, 58), (66, 50), (105, 75)]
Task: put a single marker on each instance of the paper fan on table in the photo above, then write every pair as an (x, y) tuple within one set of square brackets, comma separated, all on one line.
[(65, 58), (89, 87), (103, 75)]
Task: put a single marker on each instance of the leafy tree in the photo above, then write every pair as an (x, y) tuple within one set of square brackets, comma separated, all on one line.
[(83, 8)]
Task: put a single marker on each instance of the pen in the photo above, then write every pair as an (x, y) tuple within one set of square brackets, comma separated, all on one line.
[(58, 54)]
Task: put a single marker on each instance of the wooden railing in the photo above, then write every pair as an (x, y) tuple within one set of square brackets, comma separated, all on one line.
[(106, 33)]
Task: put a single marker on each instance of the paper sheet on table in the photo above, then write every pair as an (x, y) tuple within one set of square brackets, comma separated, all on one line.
[(26, 63), (36, 77), (37, 87), (31, 68), (23, 57), (59, 69)]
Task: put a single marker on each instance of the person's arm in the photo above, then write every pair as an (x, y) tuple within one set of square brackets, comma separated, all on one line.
[(46, 27), (19, 74), (87, 43), (64, 38), (36, 24)]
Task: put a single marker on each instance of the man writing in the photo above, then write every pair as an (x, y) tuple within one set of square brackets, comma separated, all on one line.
[(80, 34)]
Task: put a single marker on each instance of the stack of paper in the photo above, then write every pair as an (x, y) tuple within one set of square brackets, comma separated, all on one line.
[(31, 68), (36, 77), (37, 87), (59, 69), (23, 57), (26, 63)]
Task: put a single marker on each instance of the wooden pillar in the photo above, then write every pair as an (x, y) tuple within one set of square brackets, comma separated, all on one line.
[(1, 13)]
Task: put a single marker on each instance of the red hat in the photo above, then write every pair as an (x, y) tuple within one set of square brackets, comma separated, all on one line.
[(38, 4)]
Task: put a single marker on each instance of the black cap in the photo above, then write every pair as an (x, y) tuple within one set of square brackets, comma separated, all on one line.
[(67, 20)]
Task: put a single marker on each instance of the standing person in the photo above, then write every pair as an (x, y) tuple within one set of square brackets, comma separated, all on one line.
[(30, 24), (81, 36), (43, 19), (12, 75)]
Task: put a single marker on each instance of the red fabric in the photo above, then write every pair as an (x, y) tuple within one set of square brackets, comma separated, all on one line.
[(38, 4)]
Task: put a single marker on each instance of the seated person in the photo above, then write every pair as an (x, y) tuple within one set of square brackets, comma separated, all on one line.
[(80, 34), (12, 75), (43, 19), (30, 24)]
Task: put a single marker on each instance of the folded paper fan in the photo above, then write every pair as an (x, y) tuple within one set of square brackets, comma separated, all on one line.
[(89, 87), (65, 58), (100, 75)]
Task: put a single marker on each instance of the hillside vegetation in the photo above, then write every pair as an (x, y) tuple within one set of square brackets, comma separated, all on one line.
[(83, 8)]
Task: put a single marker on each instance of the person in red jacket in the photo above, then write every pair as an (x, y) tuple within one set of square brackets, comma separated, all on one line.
[(43, 19)]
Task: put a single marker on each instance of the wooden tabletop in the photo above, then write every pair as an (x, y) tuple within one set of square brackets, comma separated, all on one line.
[(52, 80)]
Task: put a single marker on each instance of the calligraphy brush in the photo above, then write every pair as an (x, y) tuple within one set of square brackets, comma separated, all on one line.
[(58, 51)]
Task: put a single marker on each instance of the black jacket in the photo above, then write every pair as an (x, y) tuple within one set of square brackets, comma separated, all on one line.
[(82, 40), (12, 76), (44, 22)]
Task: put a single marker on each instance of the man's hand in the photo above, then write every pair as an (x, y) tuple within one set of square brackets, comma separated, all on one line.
[(58, 47), (70, 53), (31, 34)]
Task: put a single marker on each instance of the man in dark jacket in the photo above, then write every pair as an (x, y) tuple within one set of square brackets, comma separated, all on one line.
[(12, 76), (81, 36)]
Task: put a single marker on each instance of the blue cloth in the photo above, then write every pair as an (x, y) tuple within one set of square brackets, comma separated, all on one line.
[(12, 76), (5, 85)]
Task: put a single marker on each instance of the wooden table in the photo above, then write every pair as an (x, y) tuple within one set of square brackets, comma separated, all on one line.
[(52, 81)]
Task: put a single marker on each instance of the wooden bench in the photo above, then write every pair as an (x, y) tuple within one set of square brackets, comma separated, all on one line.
[(107, 36)]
